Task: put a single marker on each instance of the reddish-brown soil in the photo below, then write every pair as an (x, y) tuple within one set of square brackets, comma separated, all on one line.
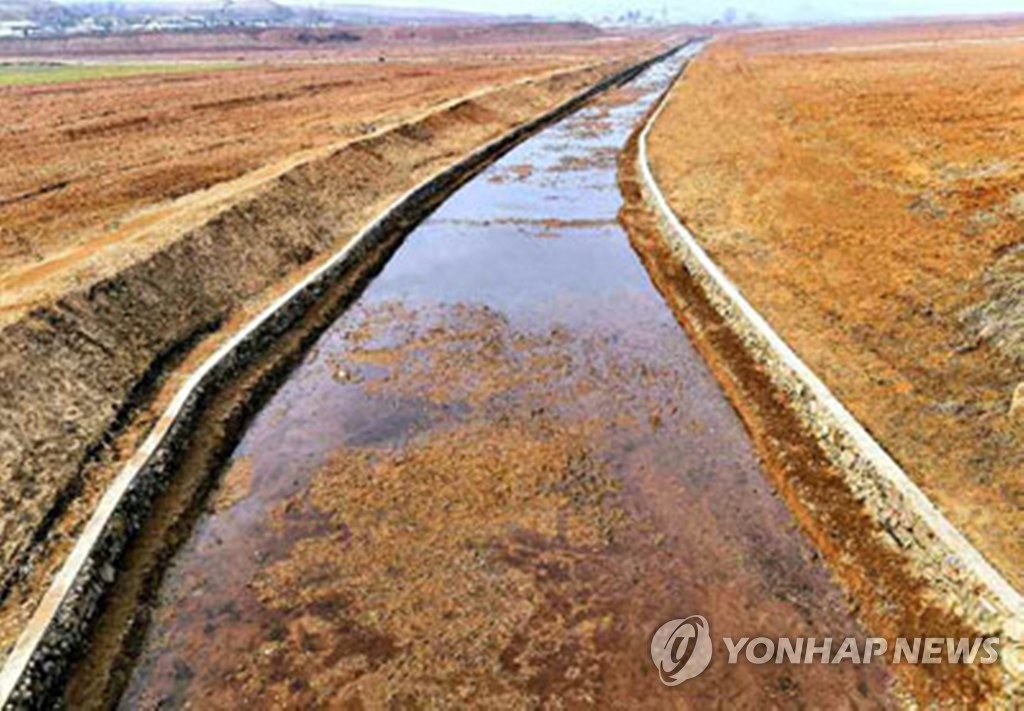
[(890, 600), (868, 203), (84, 155), (858, 38), (387, 40), (84, 158)]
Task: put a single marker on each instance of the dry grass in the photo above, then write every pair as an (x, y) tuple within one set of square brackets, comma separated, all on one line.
[(869, 203), (81, 156), (103, 170)]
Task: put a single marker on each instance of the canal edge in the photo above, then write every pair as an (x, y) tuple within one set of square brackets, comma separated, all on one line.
[(966, 584), (38, 661)]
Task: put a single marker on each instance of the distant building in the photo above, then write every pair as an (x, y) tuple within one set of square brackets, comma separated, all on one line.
[(18, 28), (170, 24)]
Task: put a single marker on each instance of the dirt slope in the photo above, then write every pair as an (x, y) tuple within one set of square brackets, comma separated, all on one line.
[(869, 204), (86, 158)]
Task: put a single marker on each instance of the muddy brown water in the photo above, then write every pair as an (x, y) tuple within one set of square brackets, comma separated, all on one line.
[(492, 479)]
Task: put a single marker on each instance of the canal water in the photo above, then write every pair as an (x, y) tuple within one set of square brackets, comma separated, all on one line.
[(492, 479)]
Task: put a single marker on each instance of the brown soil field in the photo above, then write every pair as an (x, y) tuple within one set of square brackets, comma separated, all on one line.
[(868, 204), (391, 40), (891, 35), (85, 158), (185, 204), (88, 156)]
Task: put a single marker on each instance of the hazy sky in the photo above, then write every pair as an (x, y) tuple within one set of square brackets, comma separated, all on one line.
[(682, 10)]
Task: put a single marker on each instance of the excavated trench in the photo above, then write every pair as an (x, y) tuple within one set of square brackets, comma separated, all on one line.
[(488, 481)]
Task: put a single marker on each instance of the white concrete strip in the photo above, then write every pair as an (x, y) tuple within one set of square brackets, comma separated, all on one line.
[(949, 536), (32, 636), (62, 583)]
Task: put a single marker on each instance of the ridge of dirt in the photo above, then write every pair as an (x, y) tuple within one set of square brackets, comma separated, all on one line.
[(85, 157), (868, 205), (102, 253), (348, 39), (885, 596)]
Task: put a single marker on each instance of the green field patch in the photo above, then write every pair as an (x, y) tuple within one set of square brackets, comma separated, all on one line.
[(28, 74)]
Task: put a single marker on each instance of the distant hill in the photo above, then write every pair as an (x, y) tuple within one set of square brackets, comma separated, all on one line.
[(253, 11), (239, 11), (39, 11), (377, 14), (270, 12)]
